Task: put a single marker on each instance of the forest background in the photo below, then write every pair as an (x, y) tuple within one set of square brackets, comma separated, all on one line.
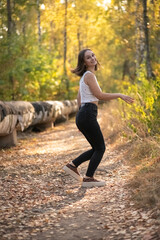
[(40, 41)]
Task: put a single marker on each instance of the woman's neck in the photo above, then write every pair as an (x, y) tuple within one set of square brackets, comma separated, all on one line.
[(91, 70)]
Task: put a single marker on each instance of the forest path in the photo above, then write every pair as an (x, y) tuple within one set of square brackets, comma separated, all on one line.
[(40, 202)]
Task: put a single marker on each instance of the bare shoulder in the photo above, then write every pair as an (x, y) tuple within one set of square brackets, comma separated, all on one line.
[(89, 77)]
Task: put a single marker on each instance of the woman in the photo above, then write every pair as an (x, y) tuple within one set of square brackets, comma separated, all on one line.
[(86, 120)]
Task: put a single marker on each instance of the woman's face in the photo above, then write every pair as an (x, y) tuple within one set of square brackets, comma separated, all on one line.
[(90, 59)]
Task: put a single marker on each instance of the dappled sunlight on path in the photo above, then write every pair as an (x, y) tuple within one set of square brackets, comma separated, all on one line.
[(39, 201)]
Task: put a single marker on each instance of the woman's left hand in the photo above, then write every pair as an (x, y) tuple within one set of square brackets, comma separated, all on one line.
[(127, 99)]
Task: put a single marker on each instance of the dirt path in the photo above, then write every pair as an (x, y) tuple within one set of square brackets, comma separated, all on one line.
[(40, 202)]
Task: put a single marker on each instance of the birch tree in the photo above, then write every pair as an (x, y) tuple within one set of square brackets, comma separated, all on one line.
[(39, 23), (65, 48), (146, 34), (9, 32)]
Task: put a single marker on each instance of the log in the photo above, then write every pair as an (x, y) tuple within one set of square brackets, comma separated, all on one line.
[(8, 119), (9, 140), (40, 127), (20, 115), (25, 113), (43, 112)]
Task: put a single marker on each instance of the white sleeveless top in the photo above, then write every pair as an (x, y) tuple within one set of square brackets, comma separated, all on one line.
[(85, 92)]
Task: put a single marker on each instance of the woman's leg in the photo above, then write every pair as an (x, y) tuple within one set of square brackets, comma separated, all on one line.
[(94, 136), (83, 157), (91, 130)]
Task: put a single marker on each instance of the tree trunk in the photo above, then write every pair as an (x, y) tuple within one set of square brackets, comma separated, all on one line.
[(126, 71), (65, 38), (158, 44), (145, 20), (9, 33), (9, 15), (65, 48), (140, 40), (39, 24), (137, 39)]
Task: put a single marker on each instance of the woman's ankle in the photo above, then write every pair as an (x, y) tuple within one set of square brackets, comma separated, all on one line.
[(71, 163), (87, 177)]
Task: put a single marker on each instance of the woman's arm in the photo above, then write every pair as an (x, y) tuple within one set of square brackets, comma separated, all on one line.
[(97, 92)]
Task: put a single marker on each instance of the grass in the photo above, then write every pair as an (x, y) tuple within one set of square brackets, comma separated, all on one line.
[(142, 153), (146, 185)]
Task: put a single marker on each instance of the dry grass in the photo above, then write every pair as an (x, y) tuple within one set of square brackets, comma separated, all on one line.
[(145, 184), (141, 153), (143, 156)]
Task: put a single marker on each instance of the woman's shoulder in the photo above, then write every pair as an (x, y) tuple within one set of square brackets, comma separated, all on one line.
[(89, 77), (88, 74)]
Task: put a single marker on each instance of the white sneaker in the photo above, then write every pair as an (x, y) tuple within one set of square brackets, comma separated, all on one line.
[(72, 171), (92, 182)]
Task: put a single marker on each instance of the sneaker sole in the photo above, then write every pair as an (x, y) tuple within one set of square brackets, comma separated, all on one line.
[(73, 174), (93, 184)]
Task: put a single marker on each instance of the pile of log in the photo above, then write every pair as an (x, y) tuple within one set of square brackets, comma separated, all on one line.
[(21, 115)]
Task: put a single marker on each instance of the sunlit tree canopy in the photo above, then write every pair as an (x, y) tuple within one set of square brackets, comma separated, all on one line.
[(40, 41)]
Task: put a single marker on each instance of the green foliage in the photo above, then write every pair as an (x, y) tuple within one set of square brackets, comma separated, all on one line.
[(33, 70), (146, 106)]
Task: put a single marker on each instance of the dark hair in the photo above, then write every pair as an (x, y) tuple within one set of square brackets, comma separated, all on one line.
[(81, 67)]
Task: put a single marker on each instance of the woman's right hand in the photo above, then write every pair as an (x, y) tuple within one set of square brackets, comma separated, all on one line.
[(126, 98)]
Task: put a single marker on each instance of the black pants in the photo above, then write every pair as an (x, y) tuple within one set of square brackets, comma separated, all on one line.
[(86, 121)]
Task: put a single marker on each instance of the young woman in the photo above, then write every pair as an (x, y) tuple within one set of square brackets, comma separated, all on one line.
[(86, 119)]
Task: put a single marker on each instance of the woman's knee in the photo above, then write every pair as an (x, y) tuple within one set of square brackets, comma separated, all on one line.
[(102, 148)]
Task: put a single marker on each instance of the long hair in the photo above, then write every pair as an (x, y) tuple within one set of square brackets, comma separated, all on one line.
[(81, 67)]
